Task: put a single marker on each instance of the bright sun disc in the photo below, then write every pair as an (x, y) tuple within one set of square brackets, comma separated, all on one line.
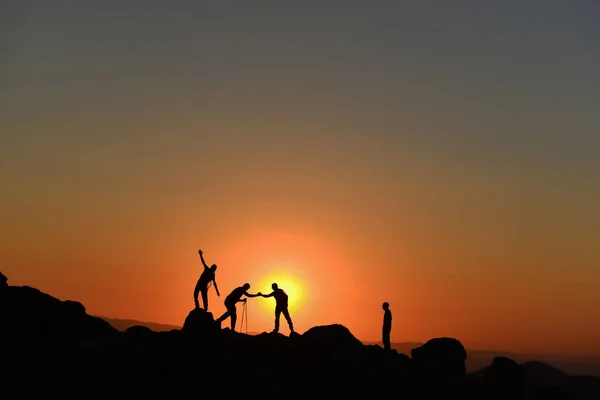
[(287, 281)]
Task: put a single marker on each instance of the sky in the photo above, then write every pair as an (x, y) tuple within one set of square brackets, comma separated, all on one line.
[(441, 156)]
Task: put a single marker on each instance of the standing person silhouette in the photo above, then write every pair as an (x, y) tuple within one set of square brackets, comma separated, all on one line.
[(231, 300), (281, 306), (207, 276), (387, 326)]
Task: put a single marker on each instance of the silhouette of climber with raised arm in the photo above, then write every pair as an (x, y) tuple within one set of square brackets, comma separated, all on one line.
[(207, 276), (231, 300), (387, 326), (281, 306)]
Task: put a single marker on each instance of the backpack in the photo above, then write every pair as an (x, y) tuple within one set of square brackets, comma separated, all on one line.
[(281, 296)]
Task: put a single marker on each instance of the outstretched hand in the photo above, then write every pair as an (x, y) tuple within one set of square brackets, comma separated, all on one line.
[(259, 294), (200, 252)]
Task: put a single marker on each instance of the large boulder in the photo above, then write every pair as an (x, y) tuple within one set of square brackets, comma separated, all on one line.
[(336, 340), (441, 359)]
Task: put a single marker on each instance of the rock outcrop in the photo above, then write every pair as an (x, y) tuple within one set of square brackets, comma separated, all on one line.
[(200, 323), (38, 319), (54, 348)]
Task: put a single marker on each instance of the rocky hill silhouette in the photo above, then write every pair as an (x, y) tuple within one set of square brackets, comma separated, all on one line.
[(53, 347), (478, 358)]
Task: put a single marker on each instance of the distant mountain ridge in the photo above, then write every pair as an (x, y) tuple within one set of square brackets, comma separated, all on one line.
[(124, 324)]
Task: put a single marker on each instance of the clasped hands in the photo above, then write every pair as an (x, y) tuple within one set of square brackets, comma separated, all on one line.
[(246, 299)]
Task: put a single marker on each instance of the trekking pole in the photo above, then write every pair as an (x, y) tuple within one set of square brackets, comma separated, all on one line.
[(243, 315), (246, 306)]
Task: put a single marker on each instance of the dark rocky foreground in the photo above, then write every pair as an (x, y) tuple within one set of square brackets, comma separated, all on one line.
[(53, 348)]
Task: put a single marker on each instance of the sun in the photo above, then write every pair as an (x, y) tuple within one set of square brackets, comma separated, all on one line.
[(289, 282)]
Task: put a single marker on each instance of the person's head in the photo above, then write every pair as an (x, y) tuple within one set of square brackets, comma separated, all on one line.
[(246, 286), (385, 305), (213, 267), (274, 286)]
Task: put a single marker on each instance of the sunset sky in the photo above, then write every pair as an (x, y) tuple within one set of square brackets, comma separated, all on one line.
[(441, 156)]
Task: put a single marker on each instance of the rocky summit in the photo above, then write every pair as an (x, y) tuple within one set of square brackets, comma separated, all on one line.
[(54, 348)]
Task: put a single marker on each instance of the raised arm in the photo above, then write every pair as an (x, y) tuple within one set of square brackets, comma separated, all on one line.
[(202, 259)]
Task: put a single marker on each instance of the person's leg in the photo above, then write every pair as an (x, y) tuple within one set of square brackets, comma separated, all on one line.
[(277, 314), (386, 339), (196, 291), (233, 313), (223, 317), (230, 311), (286, 314), (204, 292)]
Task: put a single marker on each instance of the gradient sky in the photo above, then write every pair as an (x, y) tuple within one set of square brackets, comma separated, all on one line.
[(442, 156)]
